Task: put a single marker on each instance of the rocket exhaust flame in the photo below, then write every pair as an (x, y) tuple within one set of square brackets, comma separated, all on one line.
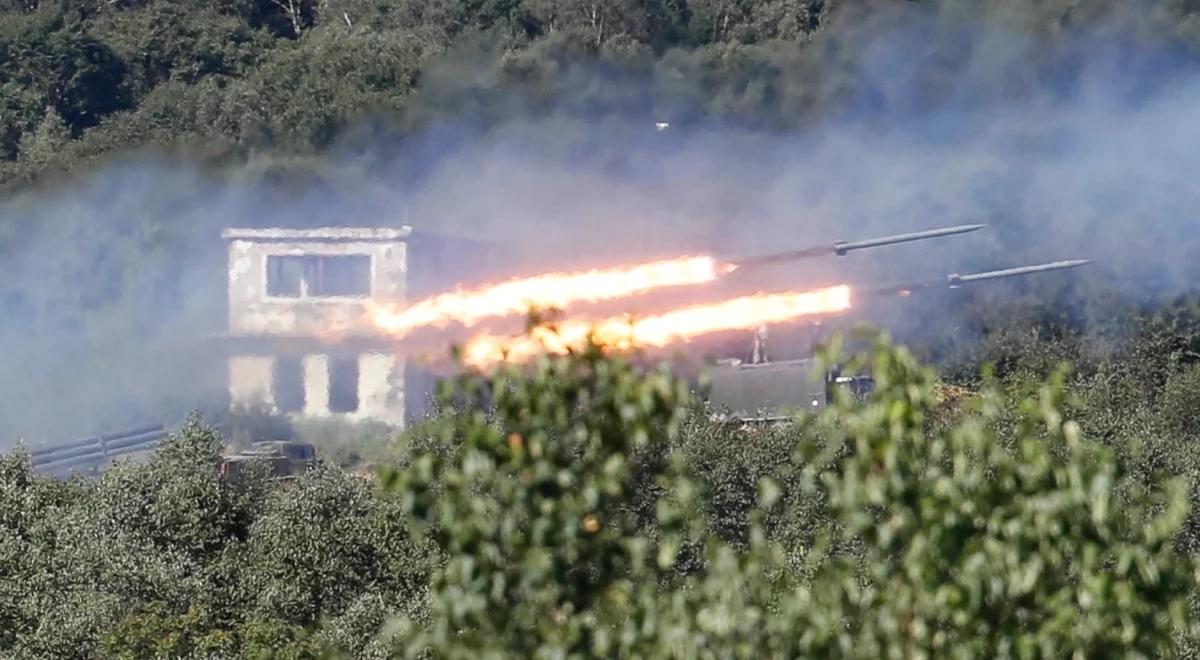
[(658, 330), (551, 290), (689, 322), (556, 290)]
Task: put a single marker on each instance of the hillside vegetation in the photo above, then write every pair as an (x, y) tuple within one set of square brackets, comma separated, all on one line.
[(588, 508), (83, 79)]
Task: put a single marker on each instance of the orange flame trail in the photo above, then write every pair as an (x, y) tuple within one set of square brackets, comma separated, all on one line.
[(659, 330), (543, 291)]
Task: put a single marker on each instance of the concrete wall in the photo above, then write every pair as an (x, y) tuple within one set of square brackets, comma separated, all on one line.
[(251, 380), (253, 312), (316, 385), (267, 319), (381, 388)]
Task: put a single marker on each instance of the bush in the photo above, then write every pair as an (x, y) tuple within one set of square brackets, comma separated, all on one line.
[(537, 512), (974, 548), (166, 559), (941, 539), (585, 506)]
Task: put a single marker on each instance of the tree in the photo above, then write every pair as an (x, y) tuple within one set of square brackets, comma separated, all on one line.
[(165, 558), (299, 14), (597, 21), (971, 547), (537, 513), (322, 543), (39, 148), (942, 540), (61, 66), (740, 21)]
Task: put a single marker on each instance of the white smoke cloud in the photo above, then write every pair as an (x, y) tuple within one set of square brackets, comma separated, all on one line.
[(1072, 147)]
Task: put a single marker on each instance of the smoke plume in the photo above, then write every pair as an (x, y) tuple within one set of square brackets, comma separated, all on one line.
[(1076, 143)]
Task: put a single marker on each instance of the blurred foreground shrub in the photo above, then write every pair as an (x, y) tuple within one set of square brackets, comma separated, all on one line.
[(585, 507), (565, 516), (167, 559)]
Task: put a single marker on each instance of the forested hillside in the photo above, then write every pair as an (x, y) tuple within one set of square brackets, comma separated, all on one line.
[(82, 79)]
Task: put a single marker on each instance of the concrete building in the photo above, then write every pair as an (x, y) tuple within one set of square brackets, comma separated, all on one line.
[(298, 341)]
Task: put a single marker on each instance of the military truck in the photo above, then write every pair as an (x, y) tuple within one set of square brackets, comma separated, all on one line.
[(287, 460), (766, 390), (776, 391)]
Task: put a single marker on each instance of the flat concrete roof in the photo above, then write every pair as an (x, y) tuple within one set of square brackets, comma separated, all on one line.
[(281, 234)]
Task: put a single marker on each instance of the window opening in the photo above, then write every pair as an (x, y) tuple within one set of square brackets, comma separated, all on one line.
[(304, 276), (289, 385), (343, 385)]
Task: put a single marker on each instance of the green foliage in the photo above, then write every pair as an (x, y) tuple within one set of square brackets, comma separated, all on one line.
[(155, 633), (322, 543), (39, 147), (585, 507), (974, 548), (234, 77), (730, 462), (537, 512), (893, 535), (165, 558), (57, 64)]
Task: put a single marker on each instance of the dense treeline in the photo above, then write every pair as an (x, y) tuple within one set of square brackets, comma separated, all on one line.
[(585, 507), (83, 79), (166, 560), (264, 74)]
